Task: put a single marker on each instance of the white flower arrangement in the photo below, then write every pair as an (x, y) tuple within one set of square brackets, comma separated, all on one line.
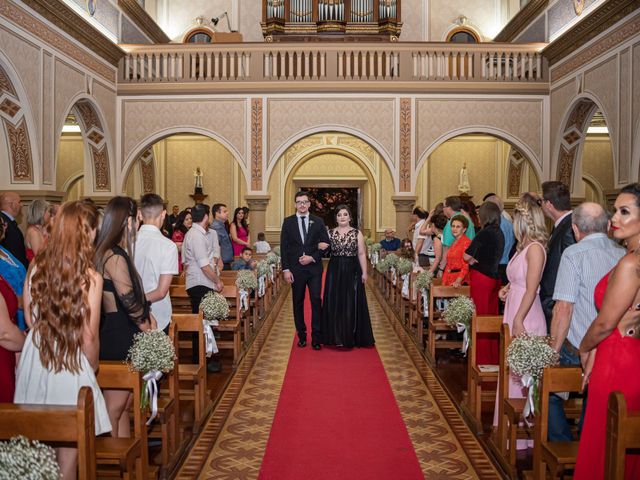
[(376, 247), (271, 258), (383, 266), (392, 259), (404, 266), (424, 280), (246, 280), (458, 315), (276, 250), (214, 306), (368, 241), (21, 458), (262, 268)]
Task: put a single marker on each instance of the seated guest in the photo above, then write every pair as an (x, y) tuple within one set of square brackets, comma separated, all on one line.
[(11, 341), (407, 251), (13, 241), (262, 246), (13, 272), (390, 242), (456, 270), (180, 229), (244, 262), (60, 353), (37, 221)]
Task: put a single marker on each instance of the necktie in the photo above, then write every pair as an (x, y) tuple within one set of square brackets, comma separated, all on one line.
[(303, 222)]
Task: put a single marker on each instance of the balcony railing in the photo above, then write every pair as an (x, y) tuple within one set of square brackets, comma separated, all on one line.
[(336, 64)]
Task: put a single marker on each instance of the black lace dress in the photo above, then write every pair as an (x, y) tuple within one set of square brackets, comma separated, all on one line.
[(345, 314)]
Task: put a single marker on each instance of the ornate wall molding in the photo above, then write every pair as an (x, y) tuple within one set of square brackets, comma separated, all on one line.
[(405, 145), (256, 144), (28, 22), (516, 169), (93, 133), (147, 170), (142, 19), (521, 20), (100, 159)]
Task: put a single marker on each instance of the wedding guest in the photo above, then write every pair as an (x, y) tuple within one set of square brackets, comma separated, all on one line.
[(581, 267), (613, 338), (173, 218), (239, 231), (469, 209), (245, 261), (262, 246), (11, 341), (10, 207), (436, 224), (506, 226), (220, 217), (37, 221), (523, 310), (456, 271), (483, 256), (420, 242), (156, 259), (60, 353), (452, 207), (407, 251), (390, 242), (556, 204), (13, 272), (125, 310), (180, 229)]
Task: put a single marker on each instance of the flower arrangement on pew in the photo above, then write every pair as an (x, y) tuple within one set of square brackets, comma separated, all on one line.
[(246, 281), (404, 267), (392, 260), (214, 308), (262, 270), (527, 356), (375, 253), (272, 260), (151, 354), (424, 280), (383, 266), (367, 243), (22, 458), (458, 315)]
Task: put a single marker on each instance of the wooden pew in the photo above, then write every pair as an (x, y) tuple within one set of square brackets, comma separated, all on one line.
[(180, 301), (623, 432), (435, 324), (56, 424), (233, 324), (477, 376), (123, 453), (554, 456)]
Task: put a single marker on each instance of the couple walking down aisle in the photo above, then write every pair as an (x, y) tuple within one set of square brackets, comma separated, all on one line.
[(340, 317)]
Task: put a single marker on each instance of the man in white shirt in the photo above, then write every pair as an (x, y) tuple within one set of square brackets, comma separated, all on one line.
[(421, 243), (156, 259)]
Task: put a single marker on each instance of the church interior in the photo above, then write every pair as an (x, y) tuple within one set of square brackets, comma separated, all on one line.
[(387, 105)]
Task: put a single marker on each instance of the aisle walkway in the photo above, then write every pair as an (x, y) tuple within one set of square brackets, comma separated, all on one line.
[(436, 431)]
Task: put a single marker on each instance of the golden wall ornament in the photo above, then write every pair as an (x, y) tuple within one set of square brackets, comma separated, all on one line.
[(578, 6)]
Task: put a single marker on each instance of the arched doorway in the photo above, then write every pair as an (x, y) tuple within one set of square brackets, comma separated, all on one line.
[(70, 164), (597, 161)]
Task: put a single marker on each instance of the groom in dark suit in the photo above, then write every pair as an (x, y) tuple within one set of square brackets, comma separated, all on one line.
[(302, 265)]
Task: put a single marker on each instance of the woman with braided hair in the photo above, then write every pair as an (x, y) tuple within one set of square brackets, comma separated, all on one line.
[(523, 310)]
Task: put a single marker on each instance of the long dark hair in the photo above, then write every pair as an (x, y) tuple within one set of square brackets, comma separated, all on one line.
[(115, 228), (180, 221), (633, 189), (243, 223)]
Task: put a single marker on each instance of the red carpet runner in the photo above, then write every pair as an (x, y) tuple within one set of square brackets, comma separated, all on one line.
[(337, 419)]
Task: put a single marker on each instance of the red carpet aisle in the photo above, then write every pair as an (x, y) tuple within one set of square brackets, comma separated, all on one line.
[(337, 419)]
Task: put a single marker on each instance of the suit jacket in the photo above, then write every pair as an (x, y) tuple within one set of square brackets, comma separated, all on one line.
[(561, 238), (291, 246), (14, 240)]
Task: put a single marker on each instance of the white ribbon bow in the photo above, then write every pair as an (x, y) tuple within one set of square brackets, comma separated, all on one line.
[(211, 346), (529, 407), (151, 387), (261, 285), (461, 327), (425, 302), (405, 285), (244, 299), (393, 275), (272, 268), (374, 258)]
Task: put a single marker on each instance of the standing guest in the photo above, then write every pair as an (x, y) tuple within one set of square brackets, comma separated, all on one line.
[(614, 340), (483, 256), (469, 209), (156, 259), (11, 341), (125, 310), (506, 226), (239, 231), (220, 217), (244, 262), (407, 251), (173, 218), (390, 242), (262, 246), (421, 242), (456, 271), (556, 203), (37, 221), (60, 353), (523, 310), (452, 206), (437, 222), (13, 272), (182, 226), (581, 267), (10, 206)]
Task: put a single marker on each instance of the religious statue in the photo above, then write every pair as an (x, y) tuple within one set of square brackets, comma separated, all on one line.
[(198, 181), (463, 186)]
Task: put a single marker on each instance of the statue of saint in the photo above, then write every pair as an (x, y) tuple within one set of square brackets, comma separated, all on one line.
[(463, 186), (198, 180)]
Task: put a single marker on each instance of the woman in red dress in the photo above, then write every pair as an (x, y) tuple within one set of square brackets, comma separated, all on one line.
[(11, 341), (456, 272), (182, 226), (612, 342), (239, 231)]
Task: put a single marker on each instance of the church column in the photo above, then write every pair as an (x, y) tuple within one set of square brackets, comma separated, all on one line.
[(257, 209), (404, 206)]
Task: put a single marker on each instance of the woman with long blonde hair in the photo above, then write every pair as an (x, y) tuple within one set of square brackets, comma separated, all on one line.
[(62, 296)]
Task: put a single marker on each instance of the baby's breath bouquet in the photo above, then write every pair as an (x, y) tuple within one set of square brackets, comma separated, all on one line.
[(527, 356), (271, 258), (276, 250), (214, 307), (404, 268), (392, 259), (368, 241), (383, 266), (262, 270), (246, 281), (458, 315), (21, 458), (374, 250), (423, 284), (151, 354)]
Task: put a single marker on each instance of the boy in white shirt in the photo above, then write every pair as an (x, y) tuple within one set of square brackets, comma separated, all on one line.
[(262, 246)]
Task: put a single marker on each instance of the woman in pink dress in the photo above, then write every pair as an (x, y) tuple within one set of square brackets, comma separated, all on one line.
[(523, 310), (612, 343), (239, 231), (182, 226)]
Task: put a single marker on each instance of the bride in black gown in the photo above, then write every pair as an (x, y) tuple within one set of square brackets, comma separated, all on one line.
[(345, 314)]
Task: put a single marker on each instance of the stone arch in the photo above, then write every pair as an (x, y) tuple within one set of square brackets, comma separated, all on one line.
[(515, 143), (515, 173), (380, 150), (18, 127), (571, 139), (96, 141), (153, 138)]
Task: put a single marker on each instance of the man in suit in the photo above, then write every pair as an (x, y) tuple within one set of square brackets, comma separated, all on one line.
[(300, 238), (556, 204), (10, 206)]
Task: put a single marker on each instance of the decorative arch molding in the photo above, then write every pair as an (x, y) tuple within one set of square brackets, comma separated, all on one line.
[(596, 186), (148, 171), (513, 141), (153, 138), (570, 142), (515, 172), (292, 140), (71, 180)]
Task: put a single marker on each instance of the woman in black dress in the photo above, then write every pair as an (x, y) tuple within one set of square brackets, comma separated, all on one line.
[(125, 310), (345, 314)]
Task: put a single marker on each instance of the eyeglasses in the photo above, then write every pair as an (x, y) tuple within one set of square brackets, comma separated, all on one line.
[(303, 202)]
